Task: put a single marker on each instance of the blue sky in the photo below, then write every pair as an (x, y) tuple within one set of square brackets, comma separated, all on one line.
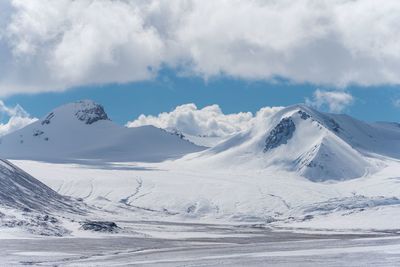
[(125, 102)]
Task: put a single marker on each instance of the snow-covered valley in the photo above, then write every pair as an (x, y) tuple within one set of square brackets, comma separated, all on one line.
[(295, 171)]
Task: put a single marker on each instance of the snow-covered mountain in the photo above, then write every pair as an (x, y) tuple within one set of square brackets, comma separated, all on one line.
[(317, 145), (83, 130)]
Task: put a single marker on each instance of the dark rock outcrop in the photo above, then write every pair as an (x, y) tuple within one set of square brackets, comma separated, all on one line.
[(282, 132), (100, 226)]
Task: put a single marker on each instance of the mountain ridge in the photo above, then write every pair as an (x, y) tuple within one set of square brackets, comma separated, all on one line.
[(316, 145)]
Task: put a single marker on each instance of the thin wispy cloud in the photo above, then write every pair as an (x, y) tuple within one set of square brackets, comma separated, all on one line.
[(54, 45), (396, 103), (335, 101), (17, 118), (12, 111)]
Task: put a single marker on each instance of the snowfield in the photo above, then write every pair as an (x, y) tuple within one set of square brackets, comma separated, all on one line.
[(329, 182), (171, 191)]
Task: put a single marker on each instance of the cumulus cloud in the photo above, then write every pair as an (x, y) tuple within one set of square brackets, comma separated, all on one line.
[(336, 101), (52, 45), (208, 121), (17, 118)]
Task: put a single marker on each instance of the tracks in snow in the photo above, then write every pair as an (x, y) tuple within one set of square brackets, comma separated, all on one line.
[(133, 197)]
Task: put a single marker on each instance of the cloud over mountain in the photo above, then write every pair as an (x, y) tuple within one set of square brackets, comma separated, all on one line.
[(208, 121)]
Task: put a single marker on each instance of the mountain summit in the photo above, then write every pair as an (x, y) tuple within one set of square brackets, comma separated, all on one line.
[(86, 111)]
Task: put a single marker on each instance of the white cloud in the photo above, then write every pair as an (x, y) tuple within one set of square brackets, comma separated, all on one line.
[(52, 45), (17, 118), (336, 101), (208, 121)]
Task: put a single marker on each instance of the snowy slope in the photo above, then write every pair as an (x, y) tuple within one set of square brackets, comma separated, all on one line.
[(21, 191), (316, 145), (28, 206), (82, 130)]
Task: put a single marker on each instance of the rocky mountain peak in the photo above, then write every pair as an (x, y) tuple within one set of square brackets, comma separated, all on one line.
[(86, 111), (90, 112)]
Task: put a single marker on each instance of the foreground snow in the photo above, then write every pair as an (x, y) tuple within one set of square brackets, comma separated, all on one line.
[(205, 245)]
